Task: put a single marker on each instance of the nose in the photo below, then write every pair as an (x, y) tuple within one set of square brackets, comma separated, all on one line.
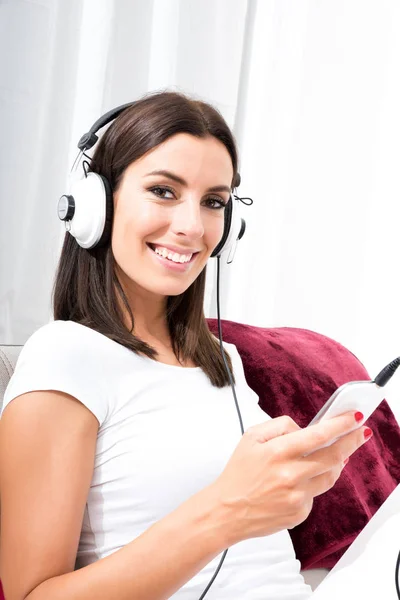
[(188, 219)]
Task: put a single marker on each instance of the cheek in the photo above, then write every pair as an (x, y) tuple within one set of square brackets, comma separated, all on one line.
[(217, 229), (130, 225), (123, 239), (130, 231)]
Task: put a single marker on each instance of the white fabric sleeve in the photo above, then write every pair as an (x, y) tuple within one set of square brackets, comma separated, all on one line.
[(58, 357), (238, 369), (258, 414)]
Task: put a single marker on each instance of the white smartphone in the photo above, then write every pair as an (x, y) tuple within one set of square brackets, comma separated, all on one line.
[(363, 396)]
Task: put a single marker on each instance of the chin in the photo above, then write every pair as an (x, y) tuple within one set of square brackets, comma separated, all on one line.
[(172, 290)]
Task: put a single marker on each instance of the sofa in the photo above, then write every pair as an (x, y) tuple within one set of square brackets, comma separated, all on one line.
[(294, 371)]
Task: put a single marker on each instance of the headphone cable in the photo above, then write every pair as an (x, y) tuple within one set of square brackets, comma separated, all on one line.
[(237, 408)]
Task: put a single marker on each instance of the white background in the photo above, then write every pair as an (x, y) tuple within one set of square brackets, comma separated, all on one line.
[(311, 89)]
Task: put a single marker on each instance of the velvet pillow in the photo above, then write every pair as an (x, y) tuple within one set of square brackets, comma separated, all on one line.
[(293, 372)]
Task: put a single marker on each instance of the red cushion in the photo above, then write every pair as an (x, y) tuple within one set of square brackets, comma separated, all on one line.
[(293, 372)]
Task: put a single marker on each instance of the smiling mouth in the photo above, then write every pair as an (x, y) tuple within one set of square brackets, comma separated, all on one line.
[(152, 247)]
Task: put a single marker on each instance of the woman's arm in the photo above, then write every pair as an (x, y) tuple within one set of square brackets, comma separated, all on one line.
[(47, 449)]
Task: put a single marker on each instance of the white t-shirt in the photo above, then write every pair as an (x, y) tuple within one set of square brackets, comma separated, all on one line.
[(165, 433)]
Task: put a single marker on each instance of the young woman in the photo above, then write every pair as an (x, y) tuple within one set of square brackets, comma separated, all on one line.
[(124, 474)]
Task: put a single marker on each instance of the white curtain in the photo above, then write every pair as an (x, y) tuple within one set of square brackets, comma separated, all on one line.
[(311, 90), (319, 128)]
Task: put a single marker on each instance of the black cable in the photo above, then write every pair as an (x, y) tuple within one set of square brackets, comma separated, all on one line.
[(383, 377), (245, 198), (85, 167), (396, 576), (237, 408)]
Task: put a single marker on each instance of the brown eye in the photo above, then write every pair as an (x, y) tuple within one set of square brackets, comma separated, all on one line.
[(221, 203), (157, 188)]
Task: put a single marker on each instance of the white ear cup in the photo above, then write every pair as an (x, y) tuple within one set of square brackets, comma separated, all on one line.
[(88, 221), (234, 229)]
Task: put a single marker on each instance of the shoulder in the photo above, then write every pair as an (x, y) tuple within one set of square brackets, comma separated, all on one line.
[(67, 357), (65, 349), (65, 337), (53, 333), (231, 348), (227, 345), (233, 352), (56, 331)]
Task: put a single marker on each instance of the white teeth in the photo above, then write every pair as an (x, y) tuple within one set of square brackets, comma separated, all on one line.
[(174, 256)]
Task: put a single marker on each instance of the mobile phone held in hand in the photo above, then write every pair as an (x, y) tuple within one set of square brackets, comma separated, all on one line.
[(362, 396)]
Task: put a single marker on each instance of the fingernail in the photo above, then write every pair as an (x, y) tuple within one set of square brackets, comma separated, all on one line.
[(346, 460), (358, 416), (368, 433)]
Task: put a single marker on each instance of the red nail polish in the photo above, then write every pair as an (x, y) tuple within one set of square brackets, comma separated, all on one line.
[(368, 433), (346, 460), (358, 416)]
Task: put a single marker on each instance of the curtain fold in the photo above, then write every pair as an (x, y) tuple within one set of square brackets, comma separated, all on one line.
[(311, 91)]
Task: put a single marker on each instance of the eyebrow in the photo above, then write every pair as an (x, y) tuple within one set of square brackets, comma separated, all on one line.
[(178, 179)]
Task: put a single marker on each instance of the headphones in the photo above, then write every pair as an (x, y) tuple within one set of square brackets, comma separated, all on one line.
[(88, 209)]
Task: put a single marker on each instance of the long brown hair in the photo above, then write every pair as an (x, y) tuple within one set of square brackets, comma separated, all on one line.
[(86, 287)]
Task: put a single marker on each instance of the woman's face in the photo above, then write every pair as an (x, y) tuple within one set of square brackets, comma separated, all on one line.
[(156, 210)]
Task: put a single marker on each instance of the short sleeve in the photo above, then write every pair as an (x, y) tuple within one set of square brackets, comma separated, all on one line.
[(239, 373), (60, 357)]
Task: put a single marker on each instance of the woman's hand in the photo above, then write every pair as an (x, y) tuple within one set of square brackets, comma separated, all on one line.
[(269, 485)]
